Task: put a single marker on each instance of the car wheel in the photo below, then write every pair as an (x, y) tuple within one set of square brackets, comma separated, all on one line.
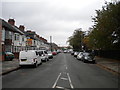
[(46, 60), (20, 66), (94, 62), (84, 61), (35, 65), (41, 63)]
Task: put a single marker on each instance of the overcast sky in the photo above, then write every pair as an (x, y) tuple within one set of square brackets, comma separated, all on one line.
[(56, 18)]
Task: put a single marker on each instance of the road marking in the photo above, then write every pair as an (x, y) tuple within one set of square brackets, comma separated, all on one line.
[(59, 87), (64, 78), (70, 81), (62, 88), (66, 68), (56, 81)]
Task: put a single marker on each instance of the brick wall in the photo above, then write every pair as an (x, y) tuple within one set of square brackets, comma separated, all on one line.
[(0, 41)]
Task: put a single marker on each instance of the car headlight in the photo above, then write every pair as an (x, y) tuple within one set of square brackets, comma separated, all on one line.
[(86, 58)]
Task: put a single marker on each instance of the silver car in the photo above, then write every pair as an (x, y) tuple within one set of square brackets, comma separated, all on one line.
[(75, 54), (80, 56), (50, 55), (44, 55)]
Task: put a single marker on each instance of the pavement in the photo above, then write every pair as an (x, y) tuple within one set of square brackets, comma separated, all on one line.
[(9, 66), (105, 63), (111, 65)]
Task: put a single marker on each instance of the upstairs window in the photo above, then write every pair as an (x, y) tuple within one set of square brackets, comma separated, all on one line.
[(16, 37), (23, 38)]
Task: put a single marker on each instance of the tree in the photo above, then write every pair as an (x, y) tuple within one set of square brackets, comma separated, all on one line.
[(76, 40), (105, 33)]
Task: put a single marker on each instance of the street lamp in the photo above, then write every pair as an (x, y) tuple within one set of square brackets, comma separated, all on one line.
[(51, 42)]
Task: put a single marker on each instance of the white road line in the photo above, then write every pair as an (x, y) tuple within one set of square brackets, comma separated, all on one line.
[(70, 81), (64, 78), (56, 81), (59, 87)]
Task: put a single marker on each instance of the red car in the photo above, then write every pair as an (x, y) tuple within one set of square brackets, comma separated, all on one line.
[(54, 53)]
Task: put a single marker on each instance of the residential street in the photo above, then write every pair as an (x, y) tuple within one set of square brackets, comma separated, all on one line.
[(63, 71)]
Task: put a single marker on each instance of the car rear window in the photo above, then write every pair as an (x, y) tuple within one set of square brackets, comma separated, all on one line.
[(9, 53), (37, 53), (46, 52)]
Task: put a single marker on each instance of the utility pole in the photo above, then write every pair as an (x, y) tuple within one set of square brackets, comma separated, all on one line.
[(51, 42)]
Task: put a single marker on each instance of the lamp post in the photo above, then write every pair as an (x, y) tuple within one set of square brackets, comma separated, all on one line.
[(51, 42)]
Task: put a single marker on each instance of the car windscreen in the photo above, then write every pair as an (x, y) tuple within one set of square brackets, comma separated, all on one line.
[(86, 54), (45, 52), (49, 52), (40, 53)]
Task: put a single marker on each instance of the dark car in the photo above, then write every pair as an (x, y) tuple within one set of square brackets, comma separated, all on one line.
[(72, 52), (88, 57), (9, 56)]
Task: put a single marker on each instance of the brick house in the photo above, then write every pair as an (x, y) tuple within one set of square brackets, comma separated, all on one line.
[(0, 40), (31, 40), (16, 38), (9, 32), (44, 44)]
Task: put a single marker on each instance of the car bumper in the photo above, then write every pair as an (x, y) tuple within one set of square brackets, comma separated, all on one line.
[(50, 56), (89, 60)]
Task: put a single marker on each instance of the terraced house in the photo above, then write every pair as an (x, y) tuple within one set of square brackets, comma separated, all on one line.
[(15, 39), (35, 42), (11, 38)]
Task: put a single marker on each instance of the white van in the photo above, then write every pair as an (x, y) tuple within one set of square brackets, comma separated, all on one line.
[(29, 57)]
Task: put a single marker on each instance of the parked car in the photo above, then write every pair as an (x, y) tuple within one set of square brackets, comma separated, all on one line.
[(88, 57), (54, 53), (75, 54), (9, 56), (58, 51), (44, 55), (65, 51), (80, 56), (50, 55), (72, 52), (29, 57)]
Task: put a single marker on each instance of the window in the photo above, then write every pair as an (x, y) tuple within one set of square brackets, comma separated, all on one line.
[(10, 35), (16, 37), (37, 53), (22, 38), (45, 52), (40, 53), (3, 34)]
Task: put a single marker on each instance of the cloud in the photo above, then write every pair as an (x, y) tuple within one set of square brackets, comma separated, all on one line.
[(57, 18)]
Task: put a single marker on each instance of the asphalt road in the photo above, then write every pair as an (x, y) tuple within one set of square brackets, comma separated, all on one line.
[(63, 71)]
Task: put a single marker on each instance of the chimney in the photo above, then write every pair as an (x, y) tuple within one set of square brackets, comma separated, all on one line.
[(11, 21), (22, 28)]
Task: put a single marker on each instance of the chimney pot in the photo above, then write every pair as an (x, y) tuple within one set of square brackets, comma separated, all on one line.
[(22, 28), (11, 21)]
